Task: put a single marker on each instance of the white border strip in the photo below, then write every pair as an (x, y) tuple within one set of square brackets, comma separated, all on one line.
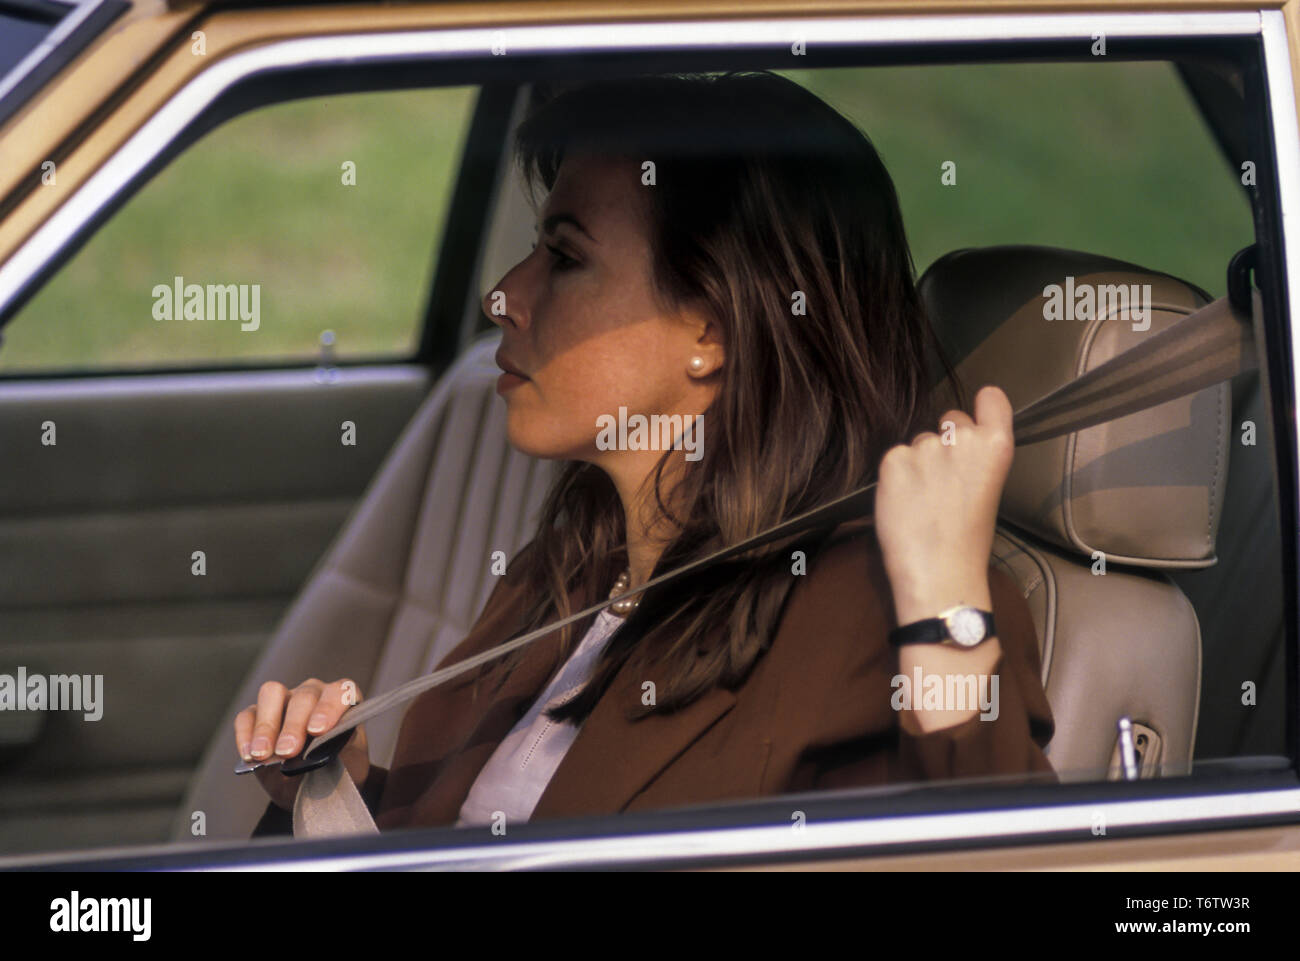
[(164, 126), (1073, 821)]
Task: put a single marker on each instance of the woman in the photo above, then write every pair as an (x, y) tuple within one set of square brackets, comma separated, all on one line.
[(726, 251)]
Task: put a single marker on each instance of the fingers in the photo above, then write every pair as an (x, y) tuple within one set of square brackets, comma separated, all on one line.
[(994, 420), (302, 703), (959, 418), (993, 408), (266, 726), (334, 700), (244, 731), (279, 723)]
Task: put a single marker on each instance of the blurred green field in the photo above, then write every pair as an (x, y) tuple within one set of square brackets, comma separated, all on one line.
[(261, 200), (1110, 158)]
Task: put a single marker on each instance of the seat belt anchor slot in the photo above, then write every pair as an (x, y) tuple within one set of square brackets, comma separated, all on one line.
[(1240, 267)]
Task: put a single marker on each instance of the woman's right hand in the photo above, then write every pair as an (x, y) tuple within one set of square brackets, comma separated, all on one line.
[(278, 724)]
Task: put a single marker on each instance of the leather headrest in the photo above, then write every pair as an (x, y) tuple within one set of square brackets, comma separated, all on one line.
[(1146, 488)]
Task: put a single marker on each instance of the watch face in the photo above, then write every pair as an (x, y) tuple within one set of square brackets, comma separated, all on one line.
[(966, 626)]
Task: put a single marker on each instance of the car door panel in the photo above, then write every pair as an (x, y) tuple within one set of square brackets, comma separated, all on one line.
[(98, 576)]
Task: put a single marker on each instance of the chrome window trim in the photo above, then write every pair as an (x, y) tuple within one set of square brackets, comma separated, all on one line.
[(305, 372), (1286, 131), (79, 12), (1016, 828), (1070, 822), (1046, 823)]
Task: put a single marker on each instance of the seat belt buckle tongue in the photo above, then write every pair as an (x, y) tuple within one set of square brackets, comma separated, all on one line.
[(320, 756)]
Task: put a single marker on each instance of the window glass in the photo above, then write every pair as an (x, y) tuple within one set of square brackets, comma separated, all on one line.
[(1110, 158), (303, 217)]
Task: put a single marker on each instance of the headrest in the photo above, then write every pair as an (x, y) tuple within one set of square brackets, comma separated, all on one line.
[(1144, 489)]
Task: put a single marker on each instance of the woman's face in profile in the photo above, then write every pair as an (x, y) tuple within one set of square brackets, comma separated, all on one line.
[(581, 331)]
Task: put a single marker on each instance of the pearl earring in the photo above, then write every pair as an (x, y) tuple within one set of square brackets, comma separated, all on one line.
[(697, 364)]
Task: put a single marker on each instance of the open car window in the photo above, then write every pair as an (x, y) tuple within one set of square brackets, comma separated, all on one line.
[(232, 241), (1150, 558)]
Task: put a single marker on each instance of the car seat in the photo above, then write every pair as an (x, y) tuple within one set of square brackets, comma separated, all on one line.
[(1135, 497)]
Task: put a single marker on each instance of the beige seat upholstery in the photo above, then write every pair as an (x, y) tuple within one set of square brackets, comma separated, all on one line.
[(404, 579), (1142, 493)]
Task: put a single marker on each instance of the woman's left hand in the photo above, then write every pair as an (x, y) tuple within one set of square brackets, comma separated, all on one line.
[(936, 508)]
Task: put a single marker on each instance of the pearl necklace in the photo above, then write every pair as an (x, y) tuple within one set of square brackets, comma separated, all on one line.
[(626, 607)]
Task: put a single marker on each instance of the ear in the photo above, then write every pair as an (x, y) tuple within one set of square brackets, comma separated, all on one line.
[(708, 344)]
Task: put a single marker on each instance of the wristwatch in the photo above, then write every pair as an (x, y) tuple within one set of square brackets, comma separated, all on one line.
[(960, 627)]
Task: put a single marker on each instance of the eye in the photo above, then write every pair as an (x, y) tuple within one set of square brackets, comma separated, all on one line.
[(562, 260)]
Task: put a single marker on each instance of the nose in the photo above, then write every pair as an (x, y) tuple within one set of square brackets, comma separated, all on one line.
[(505, 304)]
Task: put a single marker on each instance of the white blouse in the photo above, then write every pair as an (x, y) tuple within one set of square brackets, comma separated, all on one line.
[(518, 771)]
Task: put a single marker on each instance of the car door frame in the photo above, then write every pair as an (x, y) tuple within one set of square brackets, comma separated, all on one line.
[(857, 823)]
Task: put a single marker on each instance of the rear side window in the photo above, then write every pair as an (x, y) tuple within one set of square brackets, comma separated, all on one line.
[(1109, 158), (310, 221)]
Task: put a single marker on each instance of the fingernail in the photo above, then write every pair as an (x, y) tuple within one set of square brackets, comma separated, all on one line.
[(317, 723), (261, 745), (243, 752), (285, 744)]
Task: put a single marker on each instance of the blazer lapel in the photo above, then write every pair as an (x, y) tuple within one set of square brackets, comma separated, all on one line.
[(613, 759), (609, 763), (539, 662), (490, 718)]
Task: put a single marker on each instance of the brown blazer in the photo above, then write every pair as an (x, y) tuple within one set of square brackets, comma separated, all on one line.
[(814, 713)]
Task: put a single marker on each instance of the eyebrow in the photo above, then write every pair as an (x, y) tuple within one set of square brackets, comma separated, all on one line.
[(554, 220)]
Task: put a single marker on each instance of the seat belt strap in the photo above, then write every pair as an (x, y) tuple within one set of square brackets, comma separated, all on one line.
[(1206, 347)]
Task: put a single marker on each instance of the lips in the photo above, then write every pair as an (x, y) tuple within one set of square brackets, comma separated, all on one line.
[(509, 366)]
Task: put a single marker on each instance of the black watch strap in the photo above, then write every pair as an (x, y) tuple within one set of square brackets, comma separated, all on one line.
[(933, 630)]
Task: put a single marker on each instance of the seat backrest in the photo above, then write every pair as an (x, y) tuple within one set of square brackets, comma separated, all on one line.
[(404, 579), (1090, 521)]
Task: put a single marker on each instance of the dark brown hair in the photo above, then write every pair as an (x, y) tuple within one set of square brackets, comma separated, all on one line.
[(763, 193)]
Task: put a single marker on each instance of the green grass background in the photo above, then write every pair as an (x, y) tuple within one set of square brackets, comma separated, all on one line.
[(262, 200), (1110, 158)]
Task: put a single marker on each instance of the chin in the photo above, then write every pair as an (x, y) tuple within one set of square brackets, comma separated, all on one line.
[(532, 439)]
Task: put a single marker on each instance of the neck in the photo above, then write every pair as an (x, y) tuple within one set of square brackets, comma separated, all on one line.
[(648, 531), (642, 555)]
